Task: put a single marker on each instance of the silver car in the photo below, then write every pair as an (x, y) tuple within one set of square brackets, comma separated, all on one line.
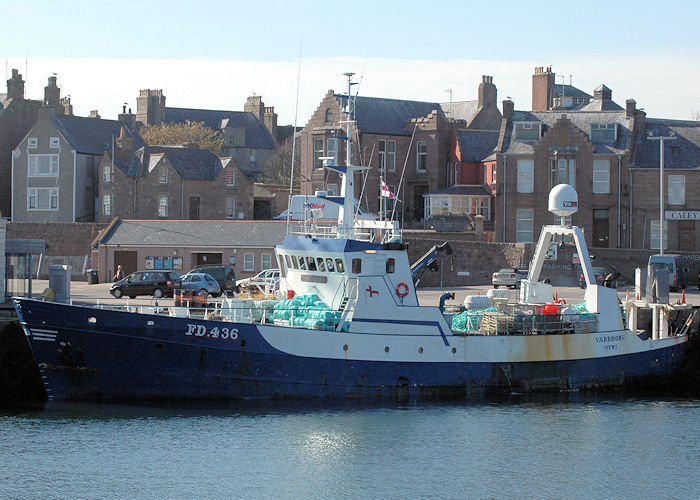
[(509, 277), (203, 283)]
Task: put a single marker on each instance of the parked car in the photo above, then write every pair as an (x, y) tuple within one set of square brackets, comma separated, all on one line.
[(599, 272), (202, 283), (268, 278), (509, 277), (225, 276), (156, 283)]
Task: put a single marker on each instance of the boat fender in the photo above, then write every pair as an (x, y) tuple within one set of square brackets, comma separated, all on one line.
[(402, 290)]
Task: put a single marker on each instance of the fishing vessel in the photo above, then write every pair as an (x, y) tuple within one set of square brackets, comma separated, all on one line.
[(349, 325)]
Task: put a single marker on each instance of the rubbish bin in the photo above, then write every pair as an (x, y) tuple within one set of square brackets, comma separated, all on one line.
[(91, 276)]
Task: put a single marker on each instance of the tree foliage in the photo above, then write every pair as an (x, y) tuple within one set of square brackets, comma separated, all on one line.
[(278, 168), (182, 133)]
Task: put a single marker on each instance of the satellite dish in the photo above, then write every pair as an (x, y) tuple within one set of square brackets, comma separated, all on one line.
[(563, 200)]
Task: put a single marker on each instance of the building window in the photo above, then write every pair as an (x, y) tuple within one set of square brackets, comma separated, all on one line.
[(603, 132), (107, 204), (230, 177), (265, 261), (329, 115), (332, 189), (163, 175), (601, 176), (230, 208), (163, 206), (31, 142), (43, 165), (391, 156), (525, 224), (565, 172), (332, 145), (318, 153), (422, 156), (654, 235), (42, 199), (527, 131), (54, 142), (107, 173), (253, 159), (381, 149), (526, 176), (248, 261), (676, 189)]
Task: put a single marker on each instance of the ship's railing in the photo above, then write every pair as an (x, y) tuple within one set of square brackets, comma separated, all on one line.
[(364, 230)]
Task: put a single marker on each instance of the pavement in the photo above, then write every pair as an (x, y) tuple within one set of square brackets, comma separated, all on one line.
[(82, 292)]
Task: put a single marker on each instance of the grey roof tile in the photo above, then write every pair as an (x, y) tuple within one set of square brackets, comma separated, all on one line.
[(462, 110), (465, 189), (199, 164), (256, 134), (683, 152), (476, 145), (93, 135), (377, 115), (200, 233), (570, 91)]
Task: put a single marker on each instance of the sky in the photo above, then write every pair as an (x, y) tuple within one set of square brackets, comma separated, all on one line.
[(214, 54)]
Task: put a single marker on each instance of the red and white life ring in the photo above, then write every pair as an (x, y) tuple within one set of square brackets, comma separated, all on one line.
[(402, 290)]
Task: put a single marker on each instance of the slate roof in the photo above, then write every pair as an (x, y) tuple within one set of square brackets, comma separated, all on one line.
[(462, 110), (93, 135), (199, 164), (199, 233), (580, 119), (602, 105), (257, 136), (570, 91), (476, 145), (377, 115), (683, 152), (465, 189)]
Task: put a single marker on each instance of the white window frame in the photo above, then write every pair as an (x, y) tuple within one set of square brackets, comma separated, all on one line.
[(230, 208), (422, 156), (107, 173), (54, 143), (524, 225), (33, 199), (163, 207), (517, 126), (654, 235), (33, 165), (163, 175), (249, 261), (106, 204), (32, 143), (332, 149), (601, 176), (265, 261), (676, 189), (565, 171), (318, 153), (526, 175), (603, 127), (381, 153), (391, 156), (231, 178)]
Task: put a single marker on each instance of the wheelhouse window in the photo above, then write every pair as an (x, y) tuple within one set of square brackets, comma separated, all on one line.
[(356, 266), (676, 189), (295, 262), (310, 264), (320, 264), (302, 264), (339, 265), (390, 265), (422, 156), (329, 265), (527, 131), (288, 259), (601, 176), (526, 176)]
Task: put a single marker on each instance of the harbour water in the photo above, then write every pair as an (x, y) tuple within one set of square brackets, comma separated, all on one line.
[(569, 446)]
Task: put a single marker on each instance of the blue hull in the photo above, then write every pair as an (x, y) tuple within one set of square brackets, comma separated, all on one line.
[(115, 358)]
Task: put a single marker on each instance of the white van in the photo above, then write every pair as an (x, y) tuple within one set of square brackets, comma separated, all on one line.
[(329, 209), (676, 275)]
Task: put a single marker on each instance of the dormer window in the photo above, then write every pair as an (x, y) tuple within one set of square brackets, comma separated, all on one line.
[(329, 115), (528, 131), (603, 132)]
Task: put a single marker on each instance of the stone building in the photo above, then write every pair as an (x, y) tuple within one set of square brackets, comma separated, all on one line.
[(171, 182), (54, 167), (17, 115), (250, 136)]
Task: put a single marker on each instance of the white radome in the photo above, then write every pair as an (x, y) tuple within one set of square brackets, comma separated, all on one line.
[(563, 200)]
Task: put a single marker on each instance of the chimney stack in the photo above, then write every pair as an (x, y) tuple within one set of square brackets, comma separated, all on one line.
[(508, 108), (488, 94), (543, 89), (630, 107), (94, 114)]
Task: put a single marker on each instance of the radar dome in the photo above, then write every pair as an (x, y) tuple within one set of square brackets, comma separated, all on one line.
[(563, 200)]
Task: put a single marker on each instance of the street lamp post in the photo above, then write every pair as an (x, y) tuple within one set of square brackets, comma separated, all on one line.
[(661, 140)]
